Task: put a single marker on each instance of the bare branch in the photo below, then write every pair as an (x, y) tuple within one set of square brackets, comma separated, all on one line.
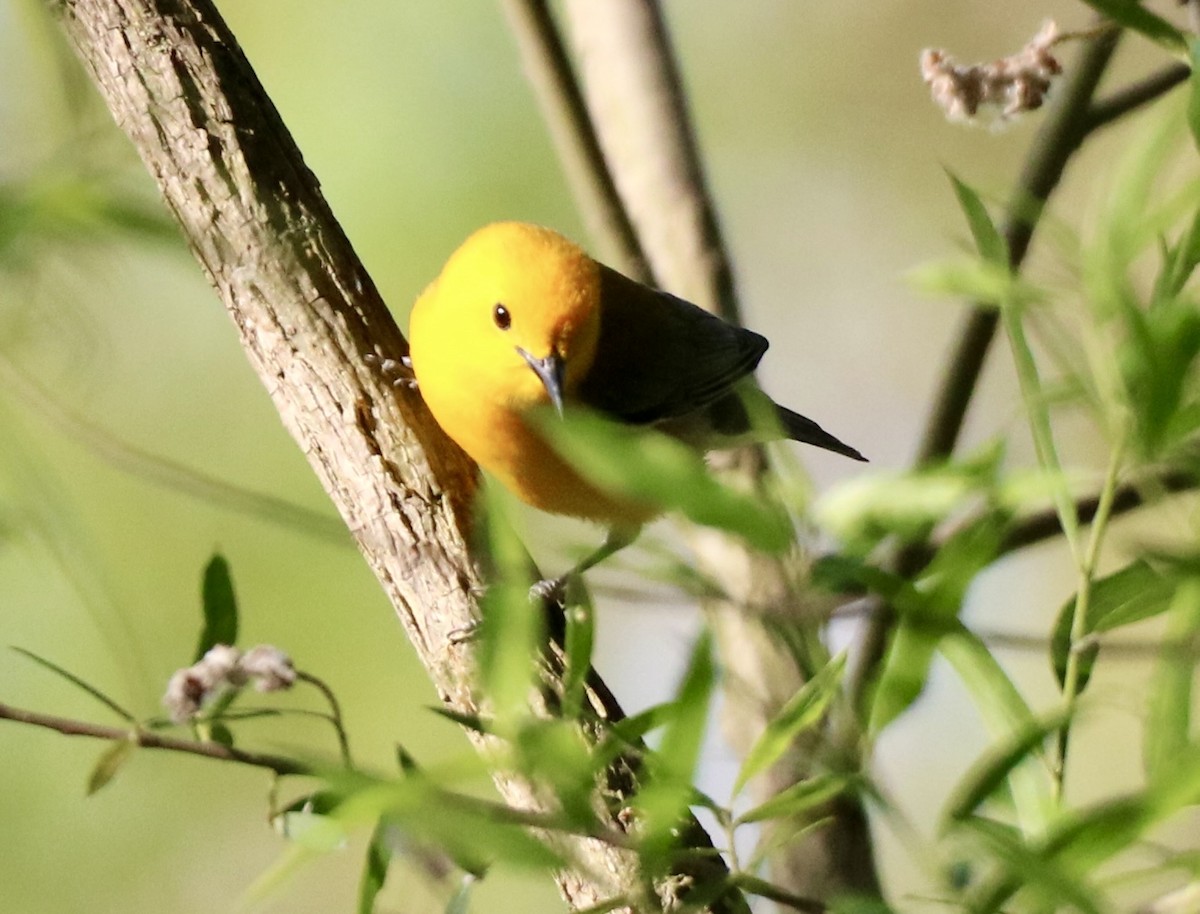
[(554, 84), (1123, 101), (150, 740), (1043, 525)]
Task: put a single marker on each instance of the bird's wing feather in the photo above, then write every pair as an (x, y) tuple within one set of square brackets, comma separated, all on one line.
[(660, 357)]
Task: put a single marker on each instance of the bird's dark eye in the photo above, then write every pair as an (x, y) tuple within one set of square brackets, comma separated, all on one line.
[(501, 316)]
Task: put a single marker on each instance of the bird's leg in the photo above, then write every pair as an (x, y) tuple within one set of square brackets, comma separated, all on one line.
[(556, 589)]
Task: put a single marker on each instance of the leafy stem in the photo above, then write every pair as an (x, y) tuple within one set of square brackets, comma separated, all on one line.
[(334, 716), (1079, 616)]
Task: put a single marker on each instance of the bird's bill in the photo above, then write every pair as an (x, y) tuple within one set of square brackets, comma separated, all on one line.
[(551, 371)]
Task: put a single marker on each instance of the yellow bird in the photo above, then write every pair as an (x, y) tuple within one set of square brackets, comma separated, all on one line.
[(521, 318)]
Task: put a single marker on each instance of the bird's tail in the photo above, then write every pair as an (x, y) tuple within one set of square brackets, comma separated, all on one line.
[(801, 428)]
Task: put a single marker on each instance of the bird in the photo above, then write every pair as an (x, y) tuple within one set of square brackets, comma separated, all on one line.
[(521, 320)]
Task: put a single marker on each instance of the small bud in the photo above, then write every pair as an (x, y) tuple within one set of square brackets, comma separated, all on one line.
[(269, 668)]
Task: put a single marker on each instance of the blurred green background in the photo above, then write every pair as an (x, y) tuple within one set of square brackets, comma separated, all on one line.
[(826, 159)]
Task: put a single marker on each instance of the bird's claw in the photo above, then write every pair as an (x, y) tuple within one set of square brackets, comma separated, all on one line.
[(550, 590), (398, 371), (466, 634)]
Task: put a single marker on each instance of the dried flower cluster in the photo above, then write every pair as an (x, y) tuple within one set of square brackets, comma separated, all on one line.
[(225, 667), (1004, 88)]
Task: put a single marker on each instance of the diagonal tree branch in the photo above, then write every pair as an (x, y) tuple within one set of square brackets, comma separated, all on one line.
[(315, 329), (636, 100)]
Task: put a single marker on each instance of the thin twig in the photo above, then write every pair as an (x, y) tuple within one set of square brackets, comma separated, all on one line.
[(1079, 614), (556, 88), (1043, 525), (335, 715), (1123, 101), (148, 740), (1060, 136)]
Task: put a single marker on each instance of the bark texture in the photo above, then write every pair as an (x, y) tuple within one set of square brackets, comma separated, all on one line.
[(315, 329), (635, 96)]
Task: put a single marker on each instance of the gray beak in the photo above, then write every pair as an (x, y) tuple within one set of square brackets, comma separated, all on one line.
[(550, 371)]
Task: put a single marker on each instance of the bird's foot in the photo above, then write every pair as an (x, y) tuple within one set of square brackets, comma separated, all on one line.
[(399, 372), (565, 591), (551, 590), (466, 634)]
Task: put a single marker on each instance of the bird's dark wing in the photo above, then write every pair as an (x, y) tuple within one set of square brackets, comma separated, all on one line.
[(660, 357)]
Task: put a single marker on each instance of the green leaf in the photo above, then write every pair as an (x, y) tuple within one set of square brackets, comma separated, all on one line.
[(1132, 15), (977, 280), (929, 611), (472, 722), (551, 752), (219, 605), (794, 801), (578, 644), (1006, 716), (1193, 111), (802, 712), (649, 468), (988, 240), (511, 627), (1134, 593), (78, 683), (375, 868), (845, 574), (315, 832), (668, 791), (1028, 869), (1169, 717), (992, 771), (460, 901), (109, 763)]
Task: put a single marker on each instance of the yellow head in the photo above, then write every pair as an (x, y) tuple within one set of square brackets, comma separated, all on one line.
[(512, 322)]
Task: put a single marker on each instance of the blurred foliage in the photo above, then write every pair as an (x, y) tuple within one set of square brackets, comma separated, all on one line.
[(1107, 335)]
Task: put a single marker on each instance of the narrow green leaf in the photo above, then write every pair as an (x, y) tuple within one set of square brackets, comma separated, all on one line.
[(974, 280), (579, 642), (668, 791), (1169, 717), (472, 722), (988, 240), (1132, 15), (794, 801), (550, 752), (680, 750), (802, 712), (375, 868), (109, 763), (993, 769), (928, 612), (78, 683), (460, 901), (511, 628), (315, 832), (219, 605), (1006, 716), (1193, 110), (1028, 869), (1134, 593), (651, 468)]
